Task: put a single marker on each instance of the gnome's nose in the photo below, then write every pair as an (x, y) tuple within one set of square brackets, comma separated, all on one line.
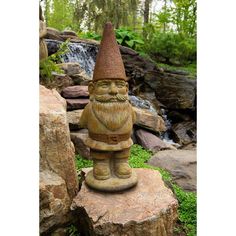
[(113, 89)]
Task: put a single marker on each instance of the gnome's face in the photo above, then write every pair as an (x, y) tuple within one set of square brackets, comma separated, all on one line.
[(110, 103), (109, 90)]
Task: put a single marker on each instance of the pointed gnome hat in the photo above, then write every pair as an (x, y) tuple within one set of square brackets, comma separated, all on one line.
[(109, 64)]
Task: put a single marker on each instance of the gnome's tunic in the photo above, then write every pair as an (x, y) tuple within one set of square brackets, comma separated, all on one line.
[(99, 131)]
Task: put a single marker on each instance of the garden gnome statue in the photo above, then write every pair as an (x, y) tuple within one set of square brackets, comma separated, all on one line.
[(109, 118)]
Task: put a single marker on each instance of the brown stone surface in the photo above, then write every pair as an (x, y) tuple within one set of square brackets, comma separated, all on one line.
[(149, 120), (73, 118), (76, 103), (174, 91), (184, 132), (181, 164), (78, 138), (58, 82), (147, 209), (58, 178), (54, 201), (71, 68), (150, 141), (53, 33), (75, 91)]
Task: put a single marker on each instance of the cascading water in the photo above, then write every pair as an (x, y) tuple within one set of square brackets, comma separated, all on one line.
[(166, 135), (82, 53), (141, 103)]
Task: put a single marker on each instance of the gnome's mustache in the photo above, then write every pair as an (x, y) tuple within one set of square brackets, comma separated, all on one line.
[(111, 98)]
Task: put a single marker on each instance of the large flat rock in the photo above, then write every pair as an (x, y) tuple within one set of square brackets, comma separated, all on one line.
[(180, 163), (147, 209)]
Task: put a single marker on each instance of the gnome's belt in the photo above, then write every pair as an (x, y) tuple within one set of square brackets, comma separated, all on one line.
[(109, 138)]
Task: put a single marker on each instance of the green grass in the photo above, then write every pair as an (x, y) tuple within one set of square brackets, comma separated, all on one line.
[(191, 68), (187, 200)]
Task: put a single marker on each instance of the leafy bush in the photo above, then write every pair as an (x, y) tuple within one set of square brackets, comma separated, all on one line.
[(129, 38), (90, 35), (48, 66), (172, 46)]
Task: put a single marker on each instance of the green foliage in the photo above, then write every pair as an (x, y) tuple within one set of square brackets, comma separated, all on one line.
[(48, 66), (191, 68), (90, 35), (127, 37), (82, 163), (59, 14), (171, 46), (72, 231), (187, 209)]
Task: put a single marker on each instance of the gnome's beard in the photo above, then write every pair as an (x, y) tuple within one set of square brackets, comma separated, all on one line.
[(111, 111)]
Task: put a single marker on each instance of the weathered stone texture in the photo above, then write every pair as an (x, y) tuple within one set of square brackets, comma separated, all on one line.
[(77, 91), (150, 141), (147, 209), (73, 118), (181, 164), (58, 178), (78, 138), (76, 103), (149, 120)]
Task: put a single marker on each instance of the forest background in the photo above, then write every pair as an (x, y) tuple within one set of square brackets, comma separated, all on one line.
[(162, 30)]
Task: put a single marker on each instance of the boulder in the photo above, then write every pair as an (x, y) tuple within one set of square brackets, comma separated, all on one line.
[(174, 92), (58, 177), (76, 103), (70, 68), (53, 33), (77, 91), (43, 50), (180, 163), (150, 208), (73, 118), (69, 32), (150, 141), (184, 132), (54, 201), (81, 79), (58, 82), (149, 120), (42, 29), (78, 138)]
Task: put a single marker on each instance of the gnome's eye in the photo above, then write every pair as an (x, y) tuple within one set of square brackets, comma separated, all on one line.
[(104, 85), (120, 85)]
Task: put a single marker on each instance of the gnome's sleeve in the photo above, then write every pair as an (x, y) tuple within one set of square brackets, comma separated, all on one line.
[(133, 115), (84, 118)]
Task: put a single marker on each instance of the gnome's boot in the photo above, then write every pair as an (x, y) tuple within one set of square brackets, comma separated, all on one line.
[(101, 169), (122, 168)]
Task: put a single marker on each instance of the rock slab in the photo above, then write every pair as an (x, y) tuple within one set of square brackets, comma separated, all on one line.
[(150, 141), (181, 164), (149, 208)]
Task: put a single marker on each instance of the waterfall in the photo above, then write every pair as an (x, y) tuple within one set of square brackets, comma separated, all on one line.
[(141, 103), (166, 135), (82, 53)]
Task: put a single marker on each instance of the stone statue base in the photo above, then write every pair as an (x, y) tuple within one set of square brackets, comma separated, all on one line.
[(112, 184), (149, 208)]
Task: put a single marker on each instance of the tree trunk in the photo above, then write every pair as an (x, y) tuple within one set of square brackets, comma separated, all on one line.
[(146, 16)]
